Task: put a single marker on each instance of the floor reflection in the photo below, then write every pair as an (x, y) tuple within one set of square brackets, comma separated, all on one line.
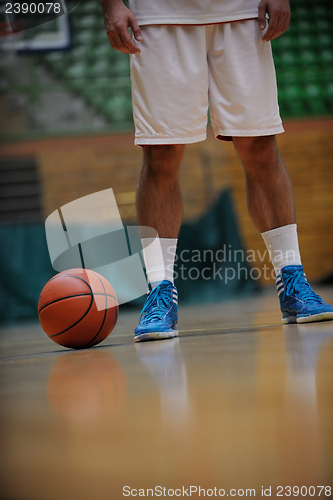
[(302, 443), (165, 364), (86, 386), (243, 408)]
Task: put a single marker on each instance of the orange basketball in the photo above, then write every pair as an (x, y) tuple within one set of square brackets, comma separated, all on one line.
[(78, 308)]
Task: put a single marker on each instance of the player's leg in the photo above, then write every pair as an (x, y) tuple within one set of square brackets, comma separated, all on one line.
[(159, 206), (170, 100), (268, 187), (270, 203), (244, 106), (158, 198)]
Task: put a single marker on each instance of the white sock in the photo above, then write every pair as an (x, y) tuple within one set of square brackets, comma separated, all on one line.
[(159, 257), (282, 245)]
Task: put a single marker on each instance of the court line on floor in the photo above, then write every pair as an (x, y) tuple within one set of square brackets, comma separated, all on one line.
[(183, 334), (214, 331), (52, 353)]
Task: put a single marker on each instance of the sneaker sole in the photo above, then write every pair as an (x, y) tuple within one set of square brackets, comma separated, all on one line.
[(325, 316), (144, 337)]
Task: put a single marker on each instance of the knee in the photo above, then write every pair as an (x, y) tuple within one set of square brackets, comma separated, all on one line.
[(163, 161), (257, 152)]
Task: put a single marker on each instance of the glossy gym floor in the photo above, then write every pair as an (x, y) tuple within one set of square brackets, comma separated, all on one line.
[(237, 406)]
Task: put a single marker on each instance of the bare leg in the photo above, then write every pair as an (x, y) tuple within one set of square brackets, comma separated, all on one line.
[(158, 197), (159, 206), (269, 192)]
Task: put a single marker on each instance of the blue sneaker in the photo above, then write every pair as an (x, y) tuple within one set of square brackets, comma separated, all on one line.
[(298, 302), (159, 316)]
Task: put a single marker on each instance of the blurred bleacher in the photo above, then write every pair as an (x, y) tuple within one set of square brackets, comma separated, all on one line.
[(92, 69), (303, 59)]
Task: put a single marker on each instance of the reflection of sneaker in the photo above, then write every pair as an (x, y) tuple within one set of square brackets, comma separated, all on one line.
[(298, 302), (159, 316)]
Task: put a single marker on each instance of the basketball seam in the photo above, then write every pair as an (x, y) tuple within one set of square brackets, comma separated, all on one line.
[(85, 314), (70, 296), (105, 310), (60, 275), (116, 307), (76, 322)]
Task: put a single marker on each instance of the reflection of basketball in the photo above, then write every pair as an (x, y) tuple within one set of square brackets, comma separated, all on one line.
[(87, 386), (78, 308)]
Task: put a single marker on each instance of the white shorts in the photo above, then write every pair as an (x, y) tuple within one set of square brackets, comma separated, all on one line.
[(183, 68)]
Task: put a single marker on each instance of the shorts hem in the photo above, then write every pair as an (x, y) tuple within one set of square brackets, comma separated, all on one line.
[(142, 141), (248, 133)]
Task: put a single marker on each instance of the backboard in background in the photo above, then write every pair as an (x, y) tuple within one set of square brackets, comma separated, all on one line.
[(25, 32)]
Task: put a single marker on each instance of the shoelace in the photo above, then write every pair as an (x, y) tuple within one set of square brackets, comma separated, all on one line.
[(297, 282), (157, 303)]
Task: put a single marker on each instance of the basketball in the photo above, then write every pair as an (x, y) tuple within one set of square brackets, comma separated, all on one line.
[(78, 308)]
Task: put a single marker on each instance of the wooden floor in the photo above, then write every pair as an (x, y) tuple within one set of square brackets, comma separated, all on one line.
[(238, 402)]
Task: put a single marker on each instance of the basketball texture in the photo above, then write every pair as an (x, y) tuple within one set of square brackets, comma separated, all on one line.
[(78, 308)]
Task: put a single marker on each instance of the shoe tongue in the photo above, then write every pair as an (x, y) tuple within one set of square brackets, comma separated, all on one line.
[(292, 272), (155, 284), (291, 269)]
